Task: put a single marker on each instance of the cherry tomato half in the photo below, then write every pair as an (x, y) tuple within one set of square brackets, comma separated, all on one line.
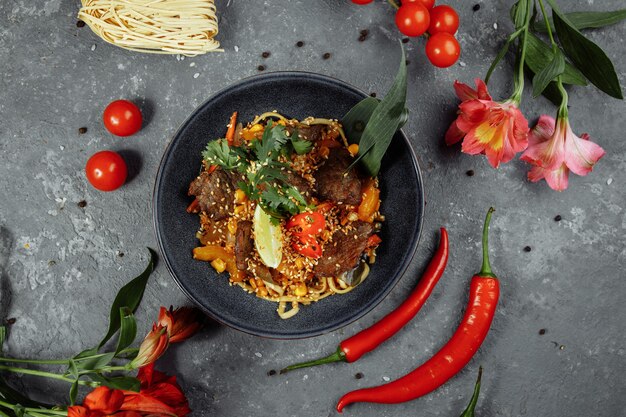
[(412, 19), (106, 170), (442, 49), (426, 3), (443, 19), (122, 118), (307, 246), (306, 224), (362, 1)]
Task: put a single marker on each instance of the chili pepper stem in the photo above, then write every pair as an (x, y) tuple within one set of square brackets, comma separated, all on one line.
[(338, 356), (485, 270), (469, 411)]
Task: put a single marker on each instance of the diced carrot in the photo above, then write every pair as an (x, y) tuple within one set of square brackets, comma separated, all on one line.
[(230, 133), (370, 202), (211, 169), (373, 240), (324, 207)]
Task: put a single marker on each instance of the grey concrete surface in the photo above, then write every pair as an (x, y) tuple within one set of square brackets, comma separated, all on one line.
[(61, 264)]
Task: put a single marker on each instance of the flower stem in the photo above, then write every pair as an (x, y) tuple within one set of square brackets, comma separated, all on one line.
[(35, 410), (36, 361), (45, 374), (393, 4), (549, 28), (519, 73)]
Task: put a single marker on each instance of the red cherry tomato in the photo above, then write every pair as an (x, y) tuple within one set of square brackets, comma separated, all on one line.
[(106, 170), (305, 224), (362, 1), (122, 118), (426, 3), (412, 19), (443, 19), (442, 49), (307, 246)]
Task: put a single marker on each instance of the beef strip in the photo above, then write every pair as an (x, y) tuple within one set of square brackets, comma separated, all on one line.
[(243, 244), (334, 183), (300, 183), (215, 193), (343, 252), (312, 133)]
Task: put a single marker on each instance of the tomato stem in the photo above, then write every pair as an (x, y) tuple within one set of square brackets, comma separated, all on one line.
[(338, 356), (485, 271), (393, 4)]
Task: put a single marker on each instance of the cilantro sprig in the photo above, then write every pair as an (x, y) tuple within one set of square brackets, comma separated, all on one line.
[(264, 173)]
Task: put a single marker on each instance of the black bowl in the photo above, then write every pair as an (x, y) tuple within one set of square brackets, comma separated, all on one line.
[(297, 95)]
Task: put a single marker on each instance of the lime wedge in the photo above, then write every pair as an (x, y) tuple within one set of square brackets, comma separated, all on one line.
[(268, 238)]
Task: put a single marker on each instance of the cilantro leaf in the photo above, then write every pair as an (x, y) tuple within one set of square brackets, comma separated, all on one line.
[(301, 146), (218, 153)]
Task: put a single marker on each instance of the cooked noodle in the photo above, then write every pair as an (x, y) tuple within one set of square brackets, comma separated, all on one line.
[(186, 27)]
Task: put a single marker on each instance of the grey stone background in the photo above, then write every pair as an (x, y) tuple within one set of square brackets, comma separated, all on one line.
[(61, 264)]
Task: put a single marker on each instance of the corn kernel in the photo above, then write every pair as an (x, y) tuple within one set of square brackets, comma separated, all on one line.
[(353, 149), (219, 265), (240, 208), (262, 292), (301, 289), (240, 196), (299, 263)]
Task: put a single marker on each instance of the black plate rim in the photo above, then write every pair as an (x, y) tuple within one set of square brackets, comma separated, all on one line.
[(259, 332)]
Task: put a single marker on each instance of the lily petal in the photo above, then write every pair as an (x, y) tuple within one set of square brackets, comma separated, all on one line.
[(581, 154)]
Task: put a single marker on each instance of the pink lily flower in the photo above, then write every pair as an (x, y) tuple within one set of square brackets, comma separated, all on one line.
[(497, 129), (555, 150)]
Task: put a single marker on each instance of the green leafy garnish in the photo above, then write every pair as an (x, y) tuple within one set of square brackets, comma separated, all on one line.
[(384, 119), (264, 172), (218, 153), (300, 146)]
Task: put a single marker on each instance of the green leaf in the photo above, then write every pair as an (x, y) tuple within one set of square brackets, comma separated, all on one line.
[(19, 410), (549, 73), (356, 119), (3, 336), (588, 20), (128, 296), (217, 152), (469, 411), (73, 392), (127, 383), (300, 146), (97, 361), (73, 369), (586, 55), (538, 53), (519, 13), (128, 329), (87, 353), (384, 123)]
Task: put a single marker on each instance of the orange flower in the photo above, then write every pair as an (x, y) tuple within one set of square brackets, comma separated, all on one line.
[(496, 129), (181, 323), (159, 396), (152, 347)]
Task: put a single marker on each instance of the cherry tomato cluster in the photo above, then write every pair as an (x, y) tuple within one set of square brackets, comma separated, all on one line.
[(106, 170), (439, 23), (304, 228)]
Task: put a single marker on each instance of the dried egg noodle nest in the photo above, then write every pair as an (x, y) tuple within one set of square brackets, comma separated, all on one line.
[(185, 27)]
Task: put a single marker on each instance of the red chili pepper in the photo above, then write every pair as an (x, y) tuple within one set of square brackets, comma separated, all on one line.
[(367, 340), (483, 299)]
